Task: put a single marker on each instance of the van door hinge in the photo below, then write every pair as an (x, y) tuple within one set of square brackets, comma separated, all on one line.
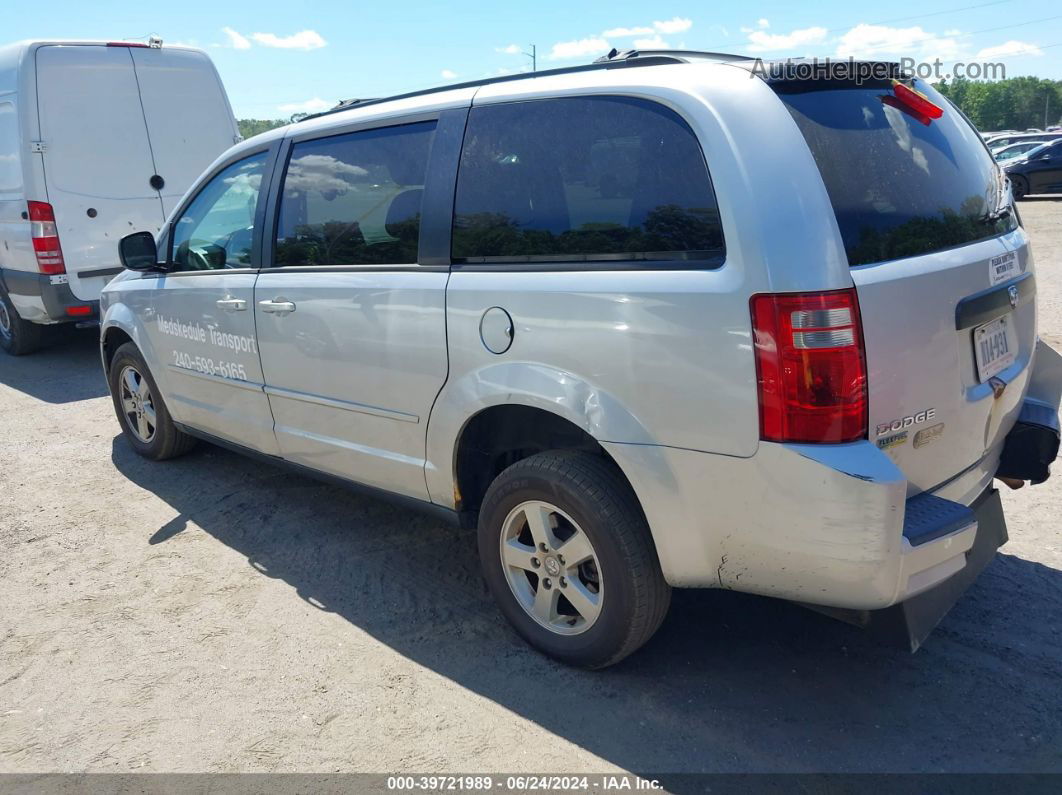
[(38, 146)]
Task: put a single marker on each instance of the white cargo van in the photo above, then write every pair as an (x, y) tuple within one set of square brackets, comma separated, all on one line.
[(97, 139)]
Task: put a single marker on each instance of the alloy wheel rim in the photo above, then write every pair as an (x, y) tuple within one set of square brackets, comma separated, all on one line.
[(138, 405), (551, 567), (5, 321)]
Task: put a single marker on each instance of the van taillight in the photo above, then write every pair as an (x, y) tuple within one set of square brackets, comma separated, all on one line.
[(45, 238), (810, 367)]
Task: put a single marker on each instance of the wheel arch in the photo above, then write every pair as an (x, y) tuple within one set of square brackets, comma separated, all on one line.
[(590, 414)]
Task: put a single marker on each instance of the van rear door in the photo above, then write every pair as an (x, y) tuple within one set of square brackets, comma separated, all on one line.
[(97, 158), (941, 267), (188, 117)]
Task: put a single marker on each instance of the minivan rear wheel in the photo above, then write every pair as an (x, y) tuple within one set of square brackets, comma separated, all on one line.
[(1019, 186), (145, 420), (17, 336), (568, 556)]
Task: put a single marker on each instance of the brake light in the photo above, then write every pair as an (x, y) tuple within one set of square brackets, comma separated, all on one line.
[(78, 311), (127, 44), (917, 101), (810, 367), (45, 238)]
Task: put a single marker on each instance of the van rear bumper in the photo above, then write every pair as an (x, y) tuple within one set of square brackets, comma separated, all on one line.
[(826, 525), (39, 300)]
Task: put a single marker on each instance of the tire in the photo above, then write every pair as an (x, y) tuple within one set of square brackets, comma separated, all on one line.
[(1019, 187), (145, 420), (575, 497), (17, 336)]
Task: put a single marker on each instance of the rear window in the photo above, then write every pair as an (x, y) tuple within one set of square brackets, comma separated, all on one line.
[(583, 178), (899, 187)]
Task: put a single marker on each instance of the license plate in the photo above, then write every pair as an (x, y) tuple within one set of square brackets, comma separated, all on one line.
[(995, 347)]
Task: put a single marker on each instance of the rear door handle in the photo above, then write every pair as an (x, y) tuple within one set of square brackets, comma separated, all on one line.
[(232, 304), (277, 307)]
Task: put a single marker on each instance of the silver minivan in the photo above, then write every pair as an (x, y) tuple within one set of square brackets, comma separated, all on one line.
[(666, 320)]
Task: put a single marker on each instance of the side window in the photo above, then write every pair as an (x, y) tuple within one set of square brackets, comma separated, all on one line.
[(216, 230), (355, 199), (583, 178)]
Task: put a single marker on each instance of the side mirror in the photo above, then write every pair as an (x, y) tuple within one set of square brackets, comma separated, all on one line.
[(138, 252)]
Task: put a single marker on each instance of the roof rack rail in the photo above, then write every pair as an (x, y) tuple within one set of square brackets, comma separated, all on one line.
[(644, 58), (615, 55)]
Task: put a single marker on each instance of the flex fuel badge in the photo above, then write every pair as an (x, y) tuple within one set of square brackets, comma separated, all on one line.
[(892, 440)]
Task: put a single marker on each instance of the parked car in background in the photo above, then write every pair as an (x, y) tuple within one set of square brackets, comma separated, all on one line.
[(999, 141), (1037, 171), (656, 321), (96, 139), (1015, 150)]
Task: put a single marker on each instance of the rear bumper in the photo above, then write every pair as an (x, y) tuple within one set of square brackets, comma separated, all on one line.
[(822, 525), (40, 298)]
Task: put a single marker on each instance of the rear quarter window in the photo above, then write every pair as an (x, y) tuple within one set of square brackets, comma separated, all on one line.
[(899, 187), (583, 178)]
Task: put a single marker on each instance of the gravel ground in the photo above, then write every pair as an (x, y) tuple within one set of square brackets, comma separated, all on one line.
[(216, 614)]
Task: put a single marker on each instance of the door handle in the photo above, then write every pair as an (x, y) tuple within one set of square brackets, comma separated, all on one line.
[(277, 307), (232, 304)]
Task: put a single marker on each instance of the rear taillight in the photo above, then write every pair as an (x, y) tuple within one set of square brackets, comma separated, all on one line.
[(45, 238), (810, 367)]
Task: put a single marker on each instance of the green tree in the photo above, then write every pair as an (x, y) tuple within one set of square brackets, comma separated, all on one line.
[(1017, 103), (250, 127)]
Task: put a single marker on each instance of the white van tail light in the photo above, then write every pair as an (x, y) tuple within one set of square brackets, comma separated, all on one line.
[(810, 367), (45, 238)]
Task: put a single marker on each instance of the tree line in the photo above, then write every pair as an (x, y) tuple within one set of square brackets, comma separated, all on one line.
[(1014, 104)]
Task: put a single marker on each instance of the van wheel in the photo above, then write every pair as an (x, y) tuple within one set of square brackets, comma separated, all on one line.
[(567, 554), (1019, 186), (17, 336), (145, 421)]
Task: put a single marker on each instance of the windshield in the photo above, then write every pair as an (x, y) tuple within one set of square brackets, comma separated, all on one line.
[(901, 184)]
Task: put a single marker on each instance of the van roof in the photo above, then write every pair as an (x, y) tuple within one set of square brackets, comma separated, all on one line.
[(11, 55), (461, 94)]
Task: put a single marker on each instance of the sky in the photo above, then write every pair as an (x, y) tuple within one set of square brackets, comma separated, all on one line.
[(282, 58)]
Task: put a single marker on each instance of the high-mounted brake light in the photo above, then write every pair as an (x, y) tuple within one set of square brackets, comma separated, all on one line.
[(127, 44), (810, 367), (45, 238), (916, 101)]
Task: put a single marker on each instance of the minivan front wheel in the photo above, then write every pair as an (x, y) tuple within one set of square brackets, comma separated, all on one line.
[(143, 415), (17, 336), (568, 556)]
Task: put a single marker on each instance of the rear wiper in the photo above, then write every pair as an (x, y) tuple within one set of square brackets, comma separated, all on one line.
[(998, 215)]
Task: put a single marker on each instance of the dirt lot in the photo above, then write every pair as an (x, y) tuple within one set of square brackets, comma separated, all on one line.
[(216, 614)]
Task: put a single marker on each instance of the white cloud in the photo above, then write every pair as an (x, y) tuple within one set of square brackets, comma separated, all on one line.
[(512, 49), (674, 25), (877, 41), (763, 23), (579, 48), (236, 40), (449, 74), (623, 33), (303, 40), (765, 42), (309, 106), (655, 43), (1009, 48)]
